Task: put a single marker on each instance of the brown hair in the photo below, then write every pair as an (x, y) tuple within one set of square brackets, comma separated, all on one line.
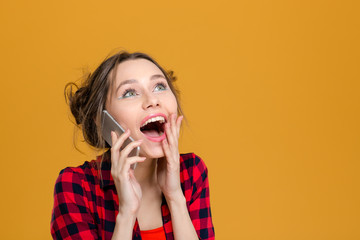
[(88, 102)]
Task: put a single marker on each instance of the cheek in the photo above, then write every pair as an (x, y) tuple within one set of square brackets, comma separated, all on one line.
[(173, 105), (124, 116)]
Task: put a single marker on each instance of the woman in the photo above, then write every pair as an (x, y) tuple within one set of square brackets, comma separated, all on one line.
[(166, 196)]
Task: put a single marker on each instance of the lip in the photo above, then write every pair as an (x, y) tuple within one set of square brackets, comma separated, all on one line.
[(153, 115), (154, 139)]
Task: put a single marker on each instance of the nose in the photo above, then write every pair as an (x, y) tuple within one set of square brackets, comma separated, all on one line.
[(150, 100)]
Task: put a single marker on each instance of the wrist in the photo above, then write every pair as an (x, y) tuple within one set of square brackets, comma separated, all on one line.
[(127, 218), (124, 225), (127, 212), (176, 200)]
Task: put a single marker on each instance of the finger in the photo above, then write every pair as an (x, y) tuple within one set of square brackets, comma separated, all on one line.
[(173, 124), (117, 143), (172, 133), (178, 125), (114, 137), (175, 128), (120, 141), (124, 169), (169, 134), (114, 154), (126, 151), (129, 161), (166, 148)]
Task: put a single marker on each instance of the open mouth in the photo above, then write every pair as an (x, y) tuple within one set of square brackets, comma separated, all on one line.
[(153, 128)]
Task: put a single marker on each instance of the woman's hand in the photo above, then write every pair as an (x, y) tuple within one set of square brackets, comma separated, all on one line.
[(127, 187), (168, 169)]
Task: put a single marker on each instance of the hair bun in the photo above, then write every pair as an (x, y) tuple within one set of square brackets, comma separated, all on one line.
[(77, 101), (171, 76)]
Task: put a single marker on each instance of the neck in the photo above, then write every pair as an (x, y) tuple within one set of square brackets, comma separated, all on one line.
[(145, 172)]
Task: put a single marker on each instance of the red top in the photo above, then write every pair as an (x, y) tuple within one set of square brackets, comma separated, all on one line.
[(86, 206), (153, 234)]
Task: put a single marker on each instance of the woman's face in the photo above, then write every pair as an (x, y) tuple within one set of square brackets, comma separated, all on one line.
[(141, 100)]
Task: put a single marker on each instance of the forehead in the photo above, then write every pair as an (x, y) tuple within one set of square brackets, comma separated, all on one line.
[(136, 69)]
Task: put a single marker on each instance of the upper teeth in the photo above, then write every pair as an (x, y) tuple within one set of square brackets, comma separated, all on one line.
[(154, 119)]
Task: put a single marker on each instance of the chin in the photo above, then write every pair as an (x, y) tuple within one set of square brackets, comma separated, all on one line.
[(155, 152)]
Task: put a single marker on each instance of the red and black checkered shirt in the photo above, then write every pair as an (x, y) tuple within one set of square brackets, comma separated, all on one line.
[(86, 207)]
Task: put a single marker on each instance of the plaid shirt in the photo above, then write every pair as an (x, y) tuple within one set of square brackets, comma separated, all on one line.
[(86, 207)]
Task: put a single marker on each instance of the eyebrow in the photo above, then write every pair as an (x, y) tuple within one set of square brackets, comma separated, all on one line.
[(125, 82), (130, 81), (153, 77)]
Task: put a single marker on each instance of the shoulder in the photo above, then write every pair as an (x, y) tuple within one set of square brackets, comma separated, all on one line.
[(193, 170), (71, 176), (194, 177), (192, 162), (73, 209)]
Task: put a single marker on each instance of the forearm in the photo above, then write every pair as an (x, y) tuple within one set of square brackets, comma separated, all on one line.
[(181, 222), (124, 226)]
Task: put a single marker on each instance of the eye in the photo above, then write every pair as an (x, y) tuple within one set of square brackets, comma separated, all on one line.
[(160, 87), (128, 93)]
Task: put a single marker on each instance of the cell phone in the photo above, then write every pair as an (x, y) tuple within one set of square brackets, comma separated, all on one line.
[(110, 124)]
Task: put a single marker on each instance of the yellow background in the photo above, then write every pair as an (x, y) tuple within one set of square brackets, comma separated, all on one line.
[(270, 90)]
